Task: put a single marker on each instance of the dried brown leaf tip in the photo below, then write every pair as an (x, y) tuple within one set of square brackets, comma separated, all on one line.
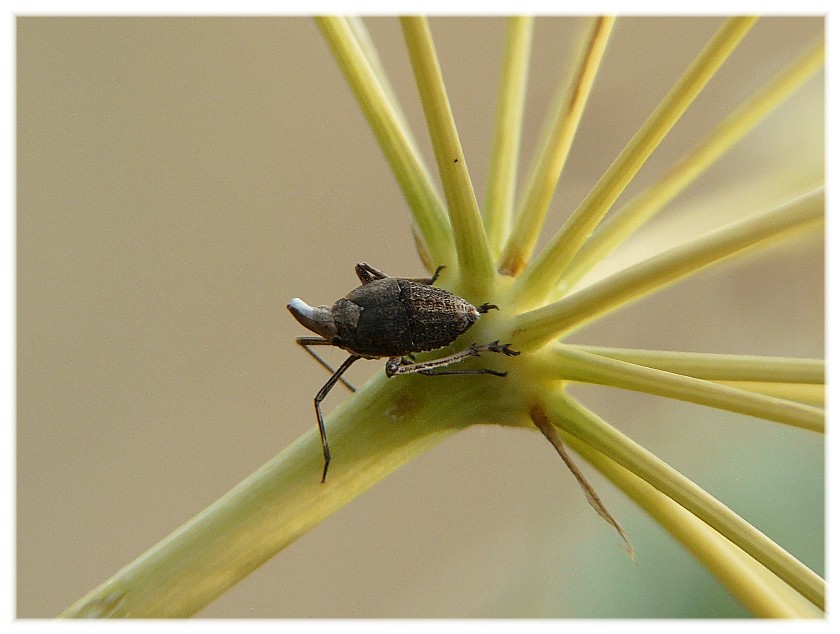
[(540, 419)]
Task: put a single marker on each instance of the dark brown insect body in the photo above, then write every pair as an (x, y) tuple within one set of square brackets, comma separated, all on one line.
[(395, 318)]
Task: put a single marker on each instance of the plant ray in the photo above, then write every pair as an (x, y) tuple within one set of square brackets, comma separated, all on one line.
[(589, 428), (535, 328), (471, 245), (569, 362), (367, 46), (805, 393), (501, 182), (627, 220), (397, 143), (720, 367), (541, 277), (557, 138)]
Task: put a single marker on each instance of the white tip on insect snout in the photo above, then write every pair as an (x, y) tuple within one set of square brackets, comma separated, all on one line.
[(303, 312), (318, 319), (299, 306)]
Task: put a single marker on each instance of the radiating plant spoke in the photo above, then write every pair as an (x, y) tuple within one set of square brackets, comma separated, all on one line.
[(571, 363), (545, 273), (366, 44), (557, 138), (537, 327), (804, 393), (625, 221), (387, 122), (501, 183), (721, 367), (471, 243)]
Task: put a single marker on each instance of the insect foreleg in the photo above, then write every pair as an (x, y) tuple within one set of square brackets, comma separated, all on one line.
[(305, 342)]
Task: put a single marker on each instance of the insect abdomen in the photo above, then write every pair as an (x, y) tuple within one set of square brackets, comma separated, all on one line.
[(435, 317)]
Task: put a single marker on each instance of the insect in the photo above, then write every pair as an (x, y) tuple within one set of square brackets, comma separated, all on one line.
[(391, 317)]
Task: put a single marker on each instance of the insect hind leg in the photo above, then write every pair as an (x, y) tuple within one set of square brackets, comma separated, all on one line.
[(475, 371), (402, 365)]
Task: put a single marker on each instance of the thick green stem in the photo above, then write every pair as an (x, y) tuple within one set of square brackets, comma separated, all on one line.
[(381, 427)]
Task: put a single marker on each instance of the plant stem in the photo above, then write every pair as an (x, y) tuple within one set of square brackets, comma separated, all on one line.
[(384, 425)]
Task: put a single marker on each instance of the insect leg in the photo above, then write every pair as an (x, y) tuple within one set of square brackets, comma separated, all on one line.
[(322, 393), (476, 371), (401, 365), (366, 273), (305, 342), (429, 281)]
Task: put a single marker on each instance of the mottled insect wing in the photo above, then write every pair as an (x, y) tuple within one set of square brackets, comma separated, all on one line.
[(436, 317)]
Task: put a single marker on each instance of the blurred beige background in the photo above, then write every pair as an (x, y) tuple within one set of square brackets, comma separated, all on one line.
[(180, 179)]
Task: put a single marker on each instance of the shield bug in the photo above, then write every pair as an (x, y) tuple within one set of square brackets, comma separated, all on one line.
[(391, 317)]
